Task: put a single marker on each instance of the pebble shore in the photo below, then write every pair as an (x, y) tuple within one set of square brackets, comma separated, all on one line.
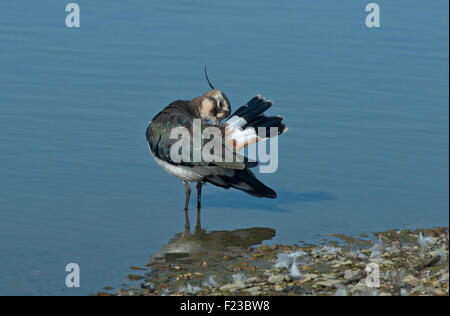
[(391, 263)]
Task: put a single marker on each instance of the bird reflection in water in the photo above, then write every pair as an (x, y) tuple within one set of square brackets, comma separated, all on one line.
[(185, 247)]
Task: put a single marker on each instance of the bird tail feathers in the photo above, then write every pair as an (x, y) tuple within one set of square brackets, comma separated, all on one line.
[(248, 124)]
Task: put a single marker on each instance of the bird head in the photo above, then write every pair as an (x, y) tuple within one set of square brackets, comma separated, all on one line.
[(214, 104)]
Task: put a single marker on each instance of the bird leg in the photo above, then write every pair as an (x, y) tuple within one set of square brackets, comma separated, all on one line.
[(188, 195), (187, 227), (199, 194), (198, 226)]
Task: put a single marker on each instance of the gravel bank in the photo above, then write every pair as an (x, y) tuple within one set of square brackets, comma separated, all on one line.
[(406, 263)]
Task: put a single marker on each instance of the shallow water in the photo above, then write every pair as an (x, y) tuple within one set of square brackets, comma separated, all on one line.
[(367, 110)]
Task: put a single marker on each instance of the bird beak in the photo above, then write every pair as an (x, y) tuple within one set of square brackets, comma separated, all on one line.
[(223, 116)]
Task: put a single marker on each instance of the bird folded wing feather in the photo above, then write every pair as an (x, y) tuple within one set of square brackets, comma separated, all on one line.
[(239, 131)]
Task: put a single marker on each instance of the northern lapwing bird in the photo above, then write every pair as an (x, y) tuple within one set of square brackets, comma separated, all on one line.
[(238, 131)]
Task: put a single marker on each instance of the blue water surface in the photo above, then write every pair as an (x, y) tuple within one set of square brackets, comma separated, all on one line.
[(367, 109)]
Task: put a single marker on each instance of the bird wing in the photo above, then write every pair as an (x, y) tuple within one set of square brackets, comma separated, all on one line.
[(221, 153), (239, 131)]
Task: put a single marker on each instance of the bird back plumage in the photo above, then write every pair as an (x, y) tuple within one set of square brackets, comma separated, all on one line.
[(240, 130)]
